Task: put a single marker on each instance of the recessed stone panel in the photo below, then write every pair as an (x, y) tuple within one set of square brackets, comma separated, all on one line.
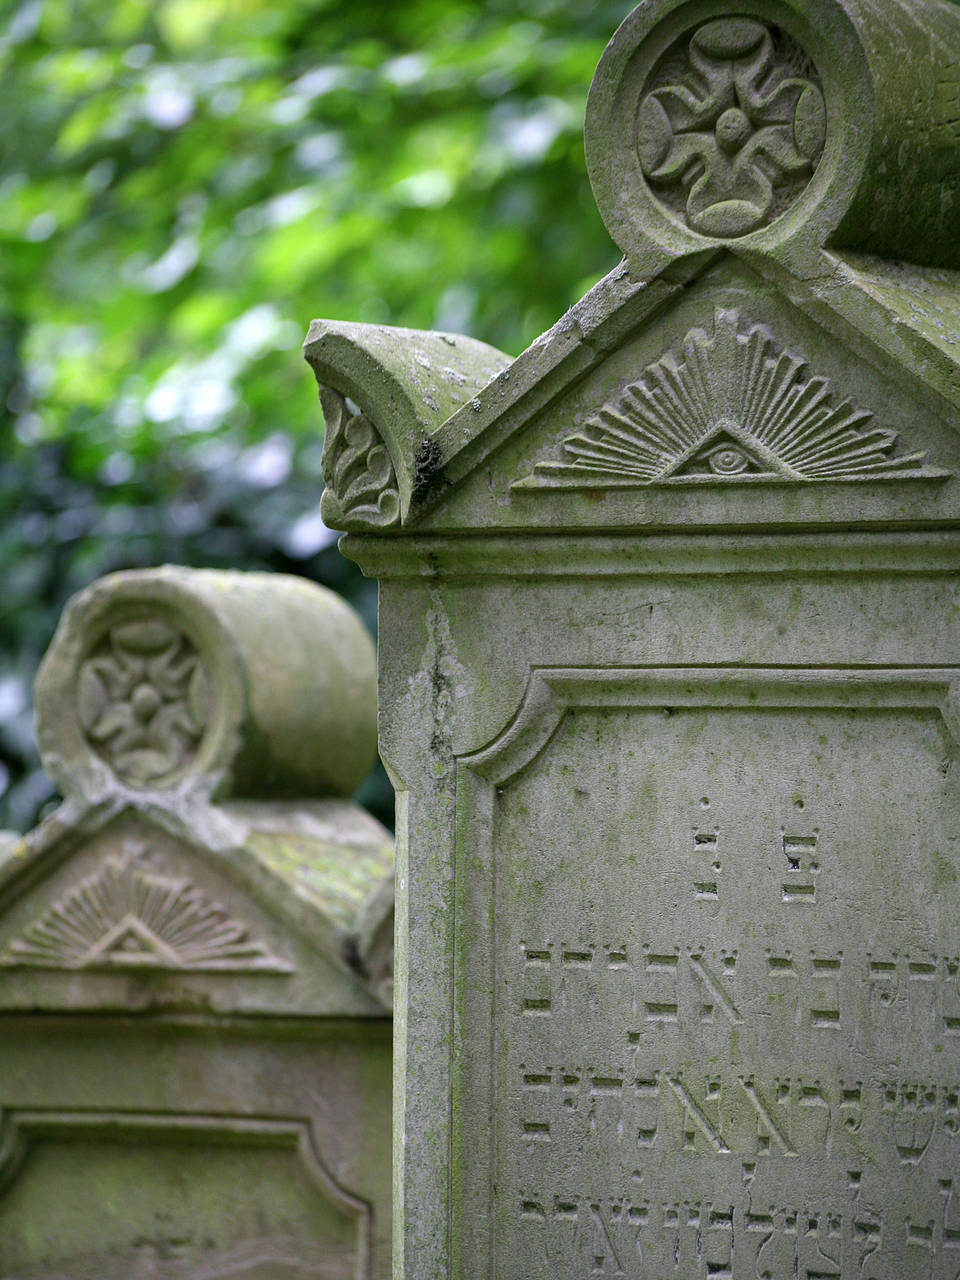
[(723, 954), (133, 1199)]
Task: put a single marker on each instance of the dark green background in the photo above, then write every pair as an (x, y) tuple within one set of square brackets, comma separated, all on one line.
[(185, 184)]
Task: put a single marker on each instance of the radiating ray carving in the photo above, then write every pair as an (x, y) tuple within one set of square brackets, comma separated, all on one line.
[(127, 918), (730, 407)]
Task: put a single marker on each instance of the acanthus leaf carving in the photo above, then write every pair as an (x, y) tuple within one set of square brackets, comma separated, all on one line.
[(726, 134), (359, 474), (730, 407), (126, 918)]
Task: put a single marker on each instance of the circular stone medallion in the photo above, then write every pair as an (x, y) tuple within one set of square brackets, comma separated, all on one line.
[(730, 126), (143, 700)]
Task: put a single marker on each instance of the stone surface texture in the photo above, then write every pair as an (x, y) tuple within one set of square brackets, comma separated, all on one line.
[(669, 660), (195, 994)]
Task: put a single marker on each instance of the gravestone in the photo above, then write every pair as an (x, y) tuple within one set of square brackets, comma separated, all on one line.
[(196, 947), (669, 658)]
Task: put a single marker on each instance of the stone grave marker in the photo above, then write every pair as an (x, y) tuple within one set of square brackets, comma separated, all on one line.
[(669, 659), (196, 948)]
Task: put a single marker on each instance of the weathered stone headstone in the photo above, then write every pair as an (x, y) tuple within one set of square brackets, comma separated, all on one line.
[(670, 643), (196, 948)]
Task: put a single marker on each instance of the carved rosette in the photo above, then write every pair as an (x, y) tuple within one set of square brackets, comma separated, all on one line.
[(197, 682), (361, 482), (143, 700), (731, 126)]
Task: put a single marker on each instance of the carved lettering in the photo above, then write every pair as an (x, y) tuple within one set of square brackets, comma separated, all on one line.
[(705, 1239), (708, 865), (800, 881), (537, 1001), (821, 990), (734, 1115)]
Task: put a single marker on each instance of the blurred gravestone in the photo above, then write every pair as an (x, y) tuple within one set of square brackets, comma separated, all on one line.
[(668, 681), (196, 949)]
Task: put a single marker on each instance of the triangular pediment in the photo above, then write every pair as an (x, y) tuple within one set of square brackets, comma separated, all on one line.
[(729, 405), (125, 916), (94, 899), (735, 396)]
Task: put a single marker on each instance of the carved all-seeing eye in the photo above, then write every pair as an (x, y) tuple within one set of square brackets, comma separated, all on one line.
[(727, 460)]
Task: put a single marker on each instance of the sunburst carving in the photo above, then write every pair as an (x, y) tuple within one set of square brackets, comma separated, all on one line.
[(730, 407), (129, 919)]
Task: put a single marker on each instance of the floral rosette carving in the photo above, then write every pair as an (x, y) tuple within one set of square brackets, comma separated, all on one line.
[(143, 700), (728, 134)]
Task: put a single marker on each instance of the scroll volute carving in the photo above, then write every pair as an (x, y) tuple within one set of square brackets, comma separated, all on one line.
[(361, 482)]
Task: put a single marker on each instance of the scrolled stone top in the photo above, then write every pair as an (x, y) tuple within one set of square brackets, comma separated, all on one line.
[(783, 125), (384, 390), (173, 679)]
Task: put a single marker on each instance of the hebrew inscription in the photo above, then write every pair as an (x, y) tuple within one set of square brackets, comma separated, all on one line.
[(731, 406), (728, 1026), (143, 699), (731, 126), (125, 918)]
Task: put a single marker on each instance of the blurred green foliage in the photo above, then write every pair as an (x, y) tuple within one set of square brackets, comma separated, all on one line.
[(185, 184)]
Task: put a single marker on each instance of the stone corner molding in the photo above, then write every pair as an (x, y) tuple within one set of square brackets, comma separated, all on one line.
[(384, 393), (779, 127)]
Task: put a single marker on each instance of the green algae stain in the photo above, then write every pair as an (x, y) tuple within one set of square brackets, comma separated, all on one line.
[(944, 871)]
